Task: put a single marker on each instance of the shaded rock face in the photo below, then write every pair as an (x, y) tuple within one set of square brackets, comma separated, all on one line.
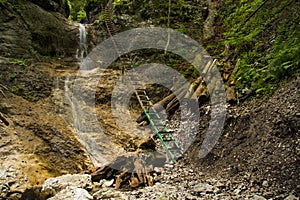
[(30, 29), (60, 6)]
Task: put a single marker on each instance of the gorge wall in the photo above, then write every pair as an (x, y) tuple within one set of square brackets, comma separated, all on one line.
[(36, 27)]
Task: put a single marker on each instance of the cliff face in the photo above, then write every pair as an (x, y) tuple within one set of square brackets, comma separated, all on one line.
[(36, 27)]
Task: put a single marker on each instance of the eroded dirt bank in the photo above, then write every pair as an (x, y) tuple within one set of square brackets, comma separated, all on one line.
[(38, 143)]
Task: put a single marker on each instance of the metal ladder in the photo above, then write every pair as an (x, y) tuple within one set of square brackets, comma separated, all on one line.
[(162, 132)]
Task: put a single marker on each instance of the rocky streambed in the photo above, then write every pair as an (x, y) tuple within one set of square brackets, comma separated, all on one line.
[(243, 164)]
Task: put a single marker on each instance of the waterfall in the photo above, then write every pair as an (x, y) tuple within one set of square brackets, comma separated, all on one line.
[(93, 141), (82, 48), (72, 102)]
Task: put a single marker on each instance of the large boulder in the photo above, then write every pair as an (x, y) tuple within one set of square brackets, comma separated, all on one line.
[(72, 193), (55, 185), (40, 28)]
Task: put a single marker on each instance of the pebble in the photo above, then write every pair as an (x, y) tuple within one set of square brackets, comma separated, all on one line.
[(265, 184)]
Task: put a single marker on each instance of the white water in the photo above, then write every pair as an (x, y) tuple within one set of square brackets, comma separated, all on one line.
[(82, 49), (72, 101), (86, 135)]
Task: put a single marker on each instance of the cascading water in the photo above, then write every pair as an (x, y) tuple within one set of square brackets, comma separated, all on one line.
[(72, 103), (82, 49), (92, 140)]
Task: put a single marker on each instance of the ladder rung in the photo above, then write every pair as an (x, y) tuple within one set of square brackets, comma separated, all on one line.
[(161, 126), (177, 153), (170, 140), (152, 113), (141, 93), (155, 117), (144, 96), (158, 121), (146, 102), (166, 132), (174, 149), (144, 99), (140, 90)]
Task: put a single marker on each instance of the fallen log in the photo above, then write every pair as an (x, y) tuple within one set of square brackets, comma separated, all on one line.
[(171, 103), (135, 172)]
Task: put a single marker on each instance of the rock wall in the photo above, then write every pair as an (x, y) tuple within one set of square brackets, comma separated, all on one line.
[(35, 27)]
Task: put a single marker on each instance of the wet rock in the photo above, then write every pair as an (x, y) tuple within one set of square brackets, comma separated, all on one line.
[(72, 193), (55, 185)]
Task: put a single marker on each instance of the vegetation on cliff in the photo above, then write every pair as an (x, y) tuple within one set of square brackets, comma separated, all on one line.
[(256, 42), (260, 42)]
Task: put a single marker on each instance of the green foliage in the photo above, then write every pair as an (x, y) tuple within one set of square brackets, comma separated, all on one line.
[(284, 56), (263, 43), (18, 89), (182, 30), (199, 21), (102, 17), (18, 62), (12, 76), (123, 3), (77, 9), (81, 14), (2, 2), (21, 91), (179, 10)]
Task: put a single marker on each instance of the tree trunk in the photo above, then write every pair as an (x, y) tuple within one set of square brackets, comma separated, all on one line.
[(197, 90)]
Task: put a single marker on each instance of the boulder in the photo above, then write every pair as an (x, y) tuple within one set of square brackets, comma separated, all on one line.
[(55, 185), (72, 193)]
